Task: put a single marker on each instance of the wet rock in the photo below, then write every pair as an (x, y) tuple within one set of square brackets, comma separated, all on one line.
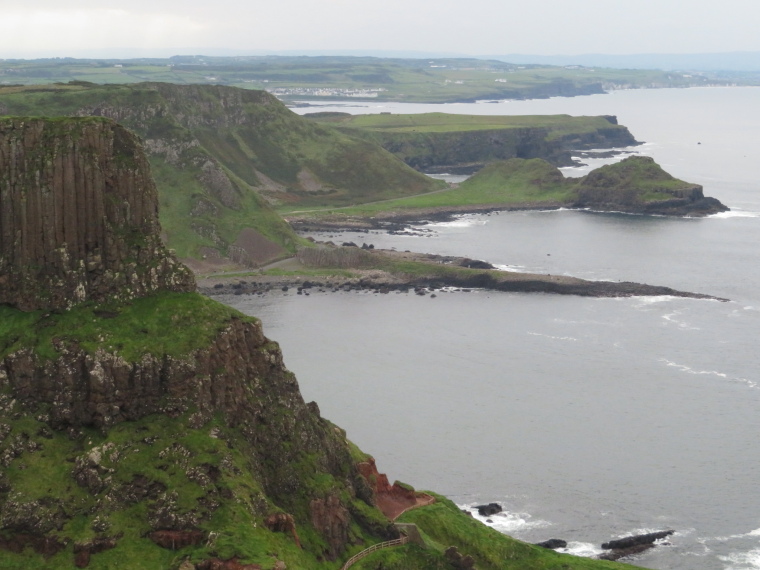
[(637, 540), (488, 510), (618, 553), (552, 543)]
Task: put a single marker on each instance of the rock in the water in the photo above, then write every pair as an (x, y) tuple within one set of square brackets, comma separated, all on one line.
[(489, 509), (553, 543), (636, 540)]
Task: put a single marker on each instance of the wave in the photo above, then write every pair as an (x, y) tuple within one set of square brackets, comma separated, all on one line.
[(553, 337), (585, 549), (463, 222), (742, 560), (735, 214), (507, 522), (511, 268), (670, 318), (722, 375)]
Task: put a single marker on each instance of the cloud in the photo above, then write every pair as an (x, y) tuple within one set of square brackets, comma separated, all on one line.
[(54, 30)]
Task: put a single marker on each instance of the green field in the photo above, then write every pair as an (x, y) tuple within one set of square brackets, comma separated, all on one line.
[(386, 79)]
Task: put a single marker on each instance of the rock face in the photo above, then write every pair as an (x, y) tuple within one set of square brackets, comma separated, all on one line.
[(78, 216)]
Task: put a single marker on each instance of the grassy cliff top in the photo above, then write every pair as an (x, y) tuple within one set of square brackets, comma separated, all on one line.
[(172, 324), (445, 122)]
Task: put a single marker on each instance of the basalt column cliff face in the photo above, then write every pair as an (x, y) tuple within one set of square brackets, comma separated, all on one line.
[(78, 216), (138, 418)]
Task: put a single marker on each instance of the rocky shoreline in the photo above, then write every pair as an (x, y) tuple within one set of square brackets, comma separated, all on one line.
[(474, 274)]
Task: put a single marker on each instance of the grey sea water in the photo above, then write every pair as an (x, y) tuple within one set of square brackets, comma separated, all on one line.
[(587, 419)]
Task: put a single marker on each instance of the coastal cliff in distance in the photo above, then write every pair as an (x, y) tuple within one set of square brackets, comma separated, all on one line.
[(145, 426), (463, 144)]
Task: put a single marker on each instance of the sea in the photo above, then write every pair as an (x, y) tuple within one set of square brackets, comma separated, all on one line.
[(586, 419)]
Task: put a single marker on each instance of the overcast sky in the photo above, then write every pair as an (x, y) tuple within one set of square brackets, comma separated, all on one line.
[(92, 28)]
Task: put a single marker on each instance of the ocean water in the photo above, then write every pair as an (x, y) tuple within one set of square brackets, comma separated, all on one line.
[(587, 419)]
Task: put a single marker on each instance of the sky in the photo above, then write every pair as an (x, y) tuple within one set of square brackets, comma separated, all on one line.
[(159, 28)]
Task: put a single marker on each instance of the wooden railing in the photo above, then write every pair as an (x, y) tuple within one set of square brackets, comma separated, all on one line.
[(367, 551)]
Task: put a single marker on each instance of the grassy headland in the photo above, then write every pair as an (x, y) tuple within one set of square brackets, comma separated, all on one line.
[(636, 184)]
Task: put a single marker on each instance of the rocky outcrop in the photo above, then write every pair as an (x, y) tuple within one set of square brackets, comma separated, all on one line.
[(638, 185), (331, 519), (78, 216), (488, 510), (637, 540), (632, 545), (552, 543)]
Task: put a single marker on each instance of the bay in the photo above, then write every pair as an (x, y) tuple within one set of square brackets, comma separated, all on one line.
[(586, 418)]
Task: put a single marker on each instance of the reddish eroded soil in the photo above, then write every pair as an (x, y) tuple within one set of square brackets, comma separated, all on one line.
[(394, 499)]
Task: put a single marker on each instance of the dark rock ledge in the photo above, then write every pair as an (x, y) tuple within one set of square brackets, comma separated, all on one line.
[(386, 280)]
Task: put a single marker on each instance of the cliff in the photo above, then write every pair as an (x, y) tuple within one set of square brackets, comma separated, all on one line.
[(439, 142), (78, 216)]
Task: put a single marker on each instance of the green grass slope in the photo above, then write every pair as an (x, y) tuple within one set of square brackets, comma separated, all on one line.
[(443, 525)]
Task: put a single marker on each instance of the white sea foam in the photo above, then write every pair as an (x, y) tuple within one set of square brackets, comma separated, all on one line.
[(553, 337), (585, 549), (507, 522), (464, 222), (722, 375), (742, 560), (671, 318), (735, 214), (511, 268), (643, 301)]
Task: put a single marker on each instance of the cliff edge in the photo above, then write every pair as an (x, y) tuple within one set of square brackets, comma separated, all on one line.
[(78, 216)]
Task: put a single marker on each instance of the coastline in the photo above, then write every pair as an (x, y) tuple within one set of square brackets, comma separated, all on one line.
[(397, 220), (383, 271)]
